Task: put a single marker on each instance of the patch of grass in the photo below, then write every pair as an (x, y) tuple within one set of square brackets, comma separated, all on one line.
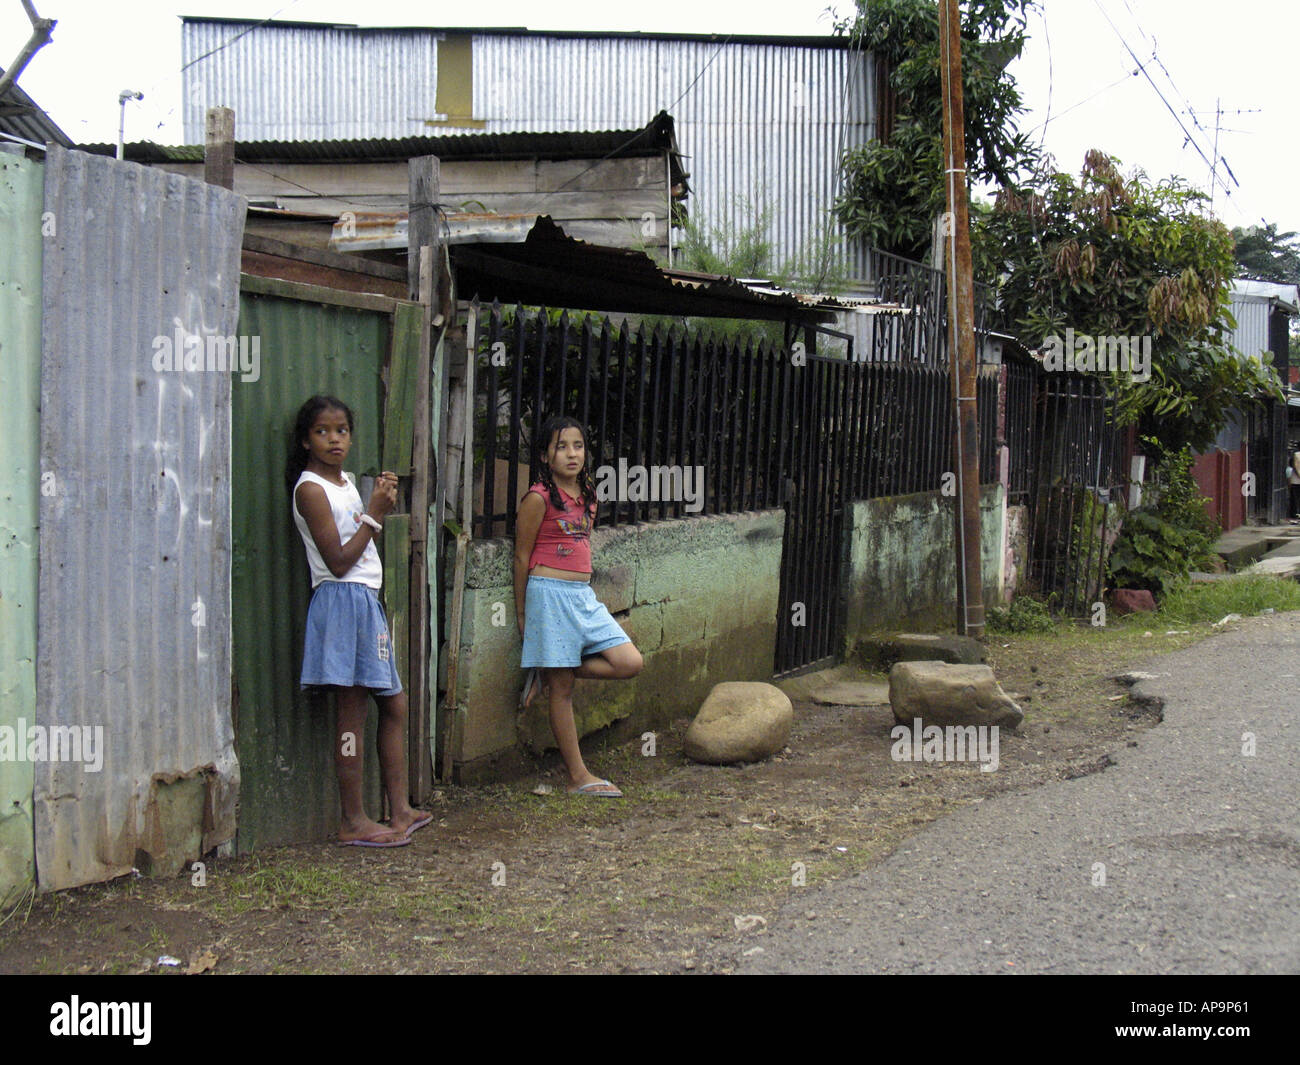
[(267, 887), (1246, 594)]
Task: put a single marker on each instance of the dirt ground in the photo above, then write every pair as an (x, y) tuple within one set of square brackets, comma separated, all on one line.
[(509, 881)]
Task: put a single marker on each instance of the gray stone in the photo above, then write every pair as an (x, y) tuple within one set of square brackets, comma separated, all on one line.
[(922, 647), (740, 721), (850, 693), (942, 694)]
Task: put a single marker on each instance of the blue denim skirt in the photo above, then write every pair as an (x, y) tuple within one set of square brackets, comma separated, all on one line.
[(348, 643), (564, 623)]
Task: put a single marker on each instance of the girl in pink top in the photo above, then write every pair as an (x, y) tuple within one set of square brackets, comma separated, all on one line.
[(567, 633)]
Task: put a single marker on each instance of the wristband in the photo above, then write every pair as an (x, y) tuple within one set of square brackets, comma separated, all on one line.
[(372, 523)]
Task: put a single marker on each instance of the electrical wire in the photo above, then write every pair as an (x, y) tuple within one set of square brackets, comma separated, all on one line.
[(1190, 139)]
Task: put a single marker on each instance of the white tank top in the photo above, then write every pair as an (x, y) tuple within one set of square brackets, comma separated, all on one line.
[(345, 504)]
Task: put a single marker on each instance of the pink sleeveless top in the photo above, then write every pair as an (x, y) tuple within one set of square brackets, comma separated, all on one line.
[(564, 539)]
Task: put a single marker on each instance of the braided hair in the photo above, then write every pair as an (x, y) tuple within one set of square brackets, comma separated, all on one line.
[(551, 429)]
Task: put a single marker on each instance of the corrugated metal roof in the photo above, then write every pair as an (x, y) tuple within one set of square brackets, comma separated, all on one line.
[(135, 527), (763, 122), (552, 269), (524, 31), (1288, 296), (22, 183), (654, 139), (21, 117)]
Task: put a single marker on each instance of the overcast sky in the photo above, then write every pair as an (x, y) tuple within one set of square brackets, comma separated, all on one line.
[(1076, 69)]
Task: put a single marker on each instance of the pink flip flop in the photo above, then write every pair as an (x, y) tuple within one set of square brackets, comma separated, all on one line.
[(373, 841), (416, 825)]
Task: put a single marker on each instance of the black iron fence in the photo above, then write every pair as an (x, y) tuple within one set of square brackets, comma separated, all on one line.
[(686, 424), (726, 419)]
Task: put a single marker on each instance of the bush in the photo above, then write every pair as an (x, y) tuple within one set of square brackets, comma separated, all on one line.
[(1023, 615), (1160, 544)]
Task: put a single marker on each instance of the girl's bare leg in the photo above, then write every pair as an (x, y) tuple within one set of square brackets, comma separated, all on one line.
[(614, 663), (349, 757), (566, 732), (392, 760)]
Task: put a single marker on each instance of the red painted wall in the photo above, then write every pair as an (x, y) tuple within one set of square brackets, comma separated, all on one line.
[(1219, 473)]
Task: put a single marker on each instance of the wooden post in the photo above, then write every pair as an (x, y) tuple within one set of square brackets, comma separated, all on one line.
[(420, 763), (219, 147), (424, 264), (961, 330), (423, 189)]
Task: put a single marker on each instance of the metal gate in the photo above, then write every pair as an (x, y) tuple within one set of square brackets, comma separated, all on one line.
[(1077, 504), (814, 413)]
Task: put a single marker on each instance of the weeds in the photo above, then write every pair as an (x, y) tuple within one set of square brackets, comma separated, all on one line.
[(1246, 594)]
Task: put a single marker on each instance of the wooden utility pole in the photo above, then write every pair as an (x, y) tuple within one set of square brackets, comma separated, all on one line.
[(424, 267), (219, 147), (961, 329)]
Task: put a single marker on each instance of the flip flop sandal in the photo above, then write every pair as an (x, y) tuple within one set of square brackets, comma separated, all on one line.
[(586, 789), (417, 825), (374, 841), (532, 680)]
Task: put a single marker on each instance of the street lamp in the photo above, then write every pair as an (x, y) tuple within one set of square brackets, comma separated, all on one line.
[(122, 97)]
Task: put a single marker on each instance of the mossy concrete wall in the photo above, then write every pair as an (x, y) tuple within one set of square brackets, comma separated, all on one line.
[(697, 596), (902, 573)]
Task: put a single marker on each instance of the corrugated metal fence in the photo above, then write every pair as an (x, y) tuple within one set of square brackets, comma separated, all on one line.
[(141, 276), (21, 184)]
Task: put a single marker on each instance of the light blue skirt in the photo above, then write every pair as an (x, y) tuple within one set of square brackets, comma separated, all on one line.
[(348, 643), (564, 623)]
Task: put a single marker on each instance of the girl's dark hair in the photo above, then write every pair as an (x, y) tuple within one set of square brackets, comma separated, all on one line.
[(551, 428), (307, 415)]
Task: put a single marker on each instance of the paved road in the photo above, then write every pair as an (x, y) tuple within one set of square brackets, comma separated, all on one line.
[(1199, 843)]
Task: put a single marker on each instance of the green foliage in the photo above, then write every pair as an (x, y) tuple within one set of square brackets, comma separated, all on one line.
[(1110, 256), (1245, 594), (1265, 254), (749, 253), (1024, 614), (1160, 544), (893, 190)]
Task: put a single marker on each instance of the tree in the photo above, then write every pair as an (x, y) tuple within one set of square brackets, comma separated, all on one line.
[(893, 187), (1116, 257), (1267, 255)]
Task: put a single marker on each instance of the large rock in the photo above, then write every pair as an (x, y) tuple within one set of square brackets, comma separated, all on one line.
[(943, 694), (1132, 601), (884, 651), (740, 721)]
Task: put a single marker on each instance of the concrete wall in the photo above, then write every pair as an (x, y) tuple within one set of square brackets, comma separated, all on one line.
[(698, 597), (901, 569)]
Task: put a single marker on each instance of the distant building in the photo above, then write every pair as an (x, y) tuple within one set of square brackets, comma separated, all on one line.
[(762, 121)]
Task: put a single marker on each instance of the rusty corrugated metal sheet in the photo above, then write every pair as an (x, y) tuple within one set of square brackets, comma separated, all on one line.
[(288, 789), (21, 194), (758, 120), (134, 633)]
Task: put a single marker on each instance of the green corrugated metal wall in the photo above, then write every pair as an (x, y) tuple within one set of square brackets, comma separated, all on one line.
[(288, 792), (22, 184)]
